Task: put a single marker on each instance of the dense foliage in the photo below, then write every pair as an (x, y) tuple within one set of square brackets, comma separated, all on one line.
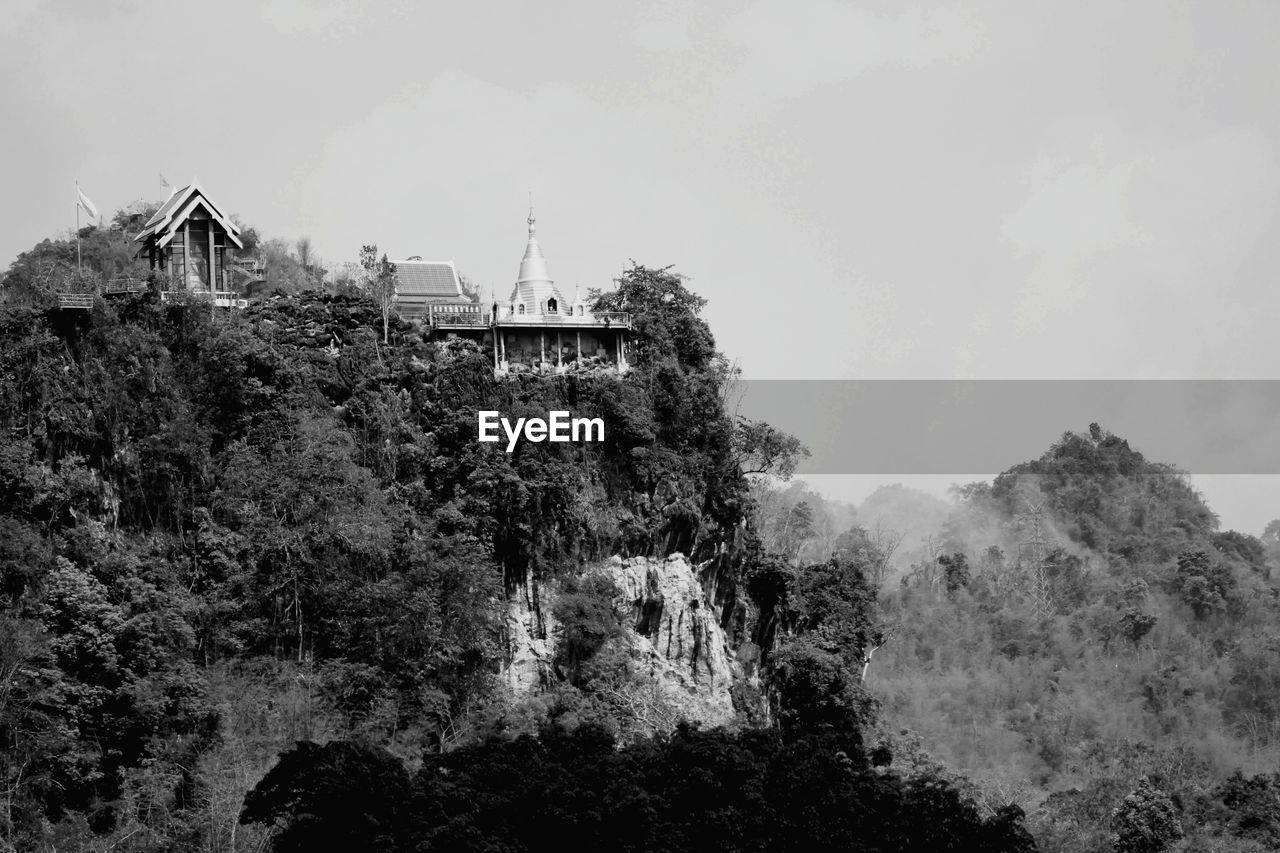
[(222, 534), (1142, 711), (692, 790)]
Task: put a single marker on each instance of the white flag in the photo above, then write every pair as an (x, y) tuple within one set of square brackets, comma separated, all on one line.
[(84, 202)]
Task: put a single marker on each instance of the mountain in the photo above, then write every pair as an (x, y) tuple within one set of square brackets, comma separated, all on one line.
[(1130, 699), (262, 584)]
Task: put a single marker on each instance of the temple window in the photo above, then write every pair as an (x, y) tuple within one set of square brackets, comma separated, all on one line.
[(551, 306)]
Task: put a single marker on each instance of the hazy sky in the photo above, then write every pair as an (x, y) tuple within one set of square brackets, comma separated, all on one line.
[(985, 190)]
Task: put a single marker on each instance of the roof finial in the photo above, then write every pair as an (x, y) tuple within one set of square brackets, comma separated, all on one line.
[(532, 226)]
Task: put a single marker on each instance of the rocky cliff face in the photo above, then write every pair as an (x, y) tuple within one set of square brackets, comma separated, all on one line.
[(675, 636)]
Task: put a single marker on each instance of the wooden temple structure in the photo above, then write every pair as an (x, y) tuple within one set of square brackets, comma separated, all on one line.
[(188, 239)]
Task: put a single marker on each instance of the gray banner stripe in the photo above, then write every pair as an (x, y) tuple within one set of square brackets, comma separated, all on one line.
[(961, 426)]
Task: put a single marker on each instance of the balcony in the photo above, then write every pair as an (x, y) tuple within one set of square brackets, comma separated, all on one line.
[(457, 316), (251, 268), (123, 285), (221, 298), (603, 320), (78, 301), (83, 301), (472, 316)]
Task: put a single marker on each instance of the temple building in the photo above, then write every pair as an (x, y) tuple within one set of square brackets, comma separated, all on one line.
[(188, 239), (539, 329), (427, 287), (536, 330)]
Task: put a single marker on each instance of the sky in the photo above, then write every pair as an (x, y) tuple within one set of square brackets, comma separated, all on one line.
[(997, 190)]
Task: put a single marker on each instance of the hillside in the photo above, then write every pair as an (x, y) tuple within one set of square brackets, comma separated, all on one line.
[(229, 536), (262, 584), (1156, 663)]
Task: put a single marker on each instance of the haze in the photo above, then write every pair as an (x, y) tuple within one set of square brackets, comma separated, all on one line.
[(1050, 190)]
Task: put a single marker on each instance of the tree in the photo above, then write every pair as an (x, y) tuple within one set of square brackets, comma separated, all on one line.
[(955, 572), (1134, 624), (285, 273), (1253, 806), (762, 449), (1204, 585), (796, 528), (303, 246), (1146, 822), (340, 796), (586, 619), (131, 218), (1271, 542), (1271, 535), (875, 549), (695, 790), (381, 283), (248, 236), (664, 314)]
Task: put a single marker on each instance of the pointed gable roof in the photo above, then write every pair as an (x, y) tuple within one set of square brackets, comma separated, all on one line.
[(164, 223)]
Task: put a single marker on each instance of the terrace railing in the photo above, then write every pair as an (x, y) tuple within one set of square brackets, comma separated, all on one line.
[(604, 319), (123, 285), (81, 301), (457, 316)]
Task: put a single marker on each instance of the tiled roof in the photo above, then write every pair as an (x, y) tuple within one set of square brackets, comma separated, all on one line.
[(419, 280)]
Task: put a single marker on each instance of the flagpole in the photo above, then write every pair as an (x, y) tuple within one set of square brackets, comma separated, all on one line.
[(79, 271)]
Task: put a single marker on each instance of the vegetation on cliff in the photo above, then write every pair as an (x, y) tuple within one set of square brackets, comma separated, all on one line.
[(225, 534)]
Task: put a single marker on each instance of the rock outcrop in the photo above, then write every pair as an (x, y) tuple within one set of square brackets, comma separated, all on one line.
[(674, 635)]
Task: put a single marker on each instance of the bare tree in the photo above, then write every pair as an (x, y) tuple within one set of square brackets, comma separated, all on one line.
[(927, 572), (871, 648), (643, 706), (885, 541), (381, 284), (303, 247)]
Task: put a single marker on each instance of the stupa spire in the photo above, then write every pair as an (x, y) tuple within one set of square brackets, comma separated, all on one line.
[(533, 266)]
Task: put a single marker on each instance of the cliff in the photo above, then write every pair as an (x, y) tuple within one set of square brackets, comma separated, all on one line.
[(672, 632)]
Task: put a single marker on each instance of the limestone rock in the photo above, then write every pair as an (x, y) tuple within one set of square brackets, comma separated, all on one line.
[(677, 634), (531, 644), (674, 635)]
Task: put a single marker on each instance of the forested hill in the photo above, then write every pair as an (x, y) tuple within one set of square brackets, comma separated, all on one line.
[(1140, 709), (222, 534), (1106, 497)]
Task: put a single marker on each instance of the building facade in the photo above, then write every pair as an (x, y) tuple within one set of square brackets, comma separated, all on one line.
[(537, 329), (188, 239), (424, 287)]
